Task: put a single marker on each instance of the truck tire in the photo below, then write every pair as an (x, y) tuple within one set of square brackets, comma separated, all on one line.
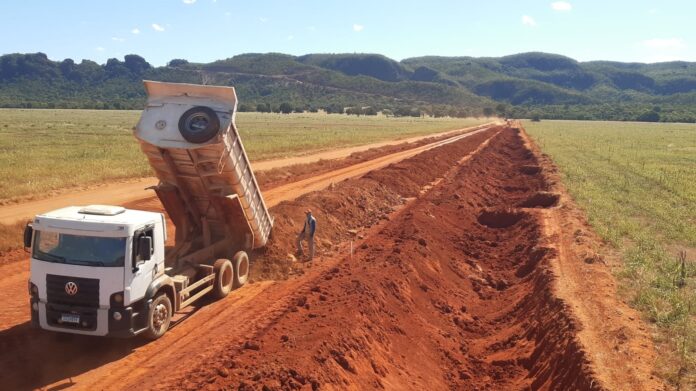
[(224, 276), (241, 269), (159, 315), (199, 124)]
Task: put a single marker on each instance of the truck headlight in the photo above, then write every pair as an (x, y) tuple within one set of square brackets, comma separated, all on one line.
[(116, 300), (117, 316)]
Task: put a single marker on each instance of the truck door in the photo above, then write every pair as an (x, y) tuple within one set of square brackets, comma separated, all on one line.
[(141, 273)]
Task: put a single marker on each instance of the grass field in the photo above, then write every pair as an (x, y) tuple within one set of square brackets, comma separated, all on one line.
[(637, 183), (42, 150)]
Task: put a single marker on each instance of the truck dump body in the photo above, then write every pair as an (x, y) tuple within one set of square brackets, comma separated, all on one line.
[(206, 182)]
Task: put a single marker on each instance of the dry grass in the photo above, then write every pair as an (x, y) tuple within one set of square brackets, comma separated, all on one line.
[(637, 184), (44, 150)]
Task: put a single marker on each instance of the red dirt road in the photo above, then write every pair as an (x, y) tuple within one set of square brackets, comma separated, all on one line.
[(458, 288)]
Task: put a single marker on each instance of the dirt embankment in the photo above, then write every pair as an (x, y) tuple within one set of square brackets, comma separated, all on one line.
[(348, 208), (454, 293), (292, 173)]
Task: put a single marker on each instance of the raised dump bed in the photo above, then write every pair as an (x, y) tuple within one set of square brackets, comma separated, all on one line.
[(207, 186)]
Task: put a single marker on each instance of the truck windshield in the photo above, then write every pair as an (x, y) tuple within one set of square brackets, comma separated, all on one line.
[(79, 250)]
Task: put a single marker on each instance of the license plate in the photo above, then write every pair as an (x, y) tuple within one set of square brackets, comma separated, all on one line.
[(70, 318)]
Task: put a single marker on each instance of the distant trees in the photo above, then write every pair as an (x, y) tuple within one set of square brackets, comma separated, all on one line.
[(136, 64), (177, 62), (285, 108), (333, 108), (649, 116), (407, 112), (501, 110), (245, 107), (487, 112), (370, 111), (354, 111)]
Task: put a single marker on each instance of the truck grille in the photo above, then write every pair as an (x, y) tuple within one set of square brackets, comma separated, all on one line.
[(87, 294)]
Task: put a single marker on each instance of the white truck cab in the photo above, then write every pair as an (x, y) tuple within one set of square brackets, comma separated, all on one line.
[(103, 270), (88, 274)]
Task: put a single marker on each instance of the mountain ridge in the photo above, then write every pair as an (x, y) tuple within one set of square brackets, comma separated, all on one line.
[(549, 85)]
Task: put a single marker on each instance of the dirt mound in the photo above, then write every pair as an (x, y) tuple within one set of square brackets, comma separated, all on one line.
[(354, 205), (434, 300), (281, 175)]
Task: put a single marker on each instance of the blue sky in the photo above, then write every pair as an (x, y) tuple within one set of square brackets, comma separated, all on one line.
[(206, 30)]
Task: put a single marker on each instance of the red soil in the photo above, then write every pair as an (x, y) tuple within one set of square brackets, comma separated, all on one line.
[(434, 300)]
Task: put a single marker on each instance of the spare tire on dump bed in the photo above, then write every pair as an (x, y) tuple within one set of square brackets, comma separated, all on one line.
[(199, 124)]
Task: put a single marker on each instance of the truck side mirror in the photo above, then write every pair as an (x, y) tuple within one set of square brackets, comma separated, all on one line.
[(144, 248), (28, 233)]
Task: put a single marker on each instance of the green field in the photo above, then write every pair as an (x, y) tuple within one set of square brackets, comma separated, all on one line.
[(42, 150), (637, 184)]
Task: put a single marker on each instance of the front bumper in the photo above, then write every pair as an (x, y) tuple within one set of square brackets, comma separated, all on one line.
[(93, 321)]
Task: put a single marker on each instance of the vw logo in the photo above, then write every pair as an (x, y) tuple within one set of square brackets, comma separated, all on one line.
[(71, 288)]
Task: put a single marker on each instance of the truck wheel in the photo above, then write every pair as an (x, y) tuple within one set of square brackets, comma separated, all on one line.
[(241, 269), (224, 276), (159, 316), (199, 124)]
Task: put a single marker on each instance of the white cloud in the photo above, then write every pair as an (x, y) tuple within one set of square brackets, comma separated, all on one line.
[(157, 27), (665, 43), (135, 31), (561, 6), (117, 39), (358, 27), (188, 1), (311, 28), (291, 37), (528, 21), (228, 13), (99, 49), (263, 20)]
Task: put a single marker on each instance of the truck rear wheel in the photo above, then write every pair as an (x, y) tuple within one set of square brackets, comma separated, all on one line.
[(241, 269), (159, 316), (224, 276)]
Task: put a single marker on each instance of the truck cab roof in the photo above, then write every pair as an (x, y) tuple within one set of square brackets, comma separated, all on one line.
[(95, 220)]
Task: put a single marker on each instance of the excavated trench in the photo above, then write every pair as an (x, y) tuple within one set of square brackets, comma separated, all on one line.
[(542, 199), (454, 291)]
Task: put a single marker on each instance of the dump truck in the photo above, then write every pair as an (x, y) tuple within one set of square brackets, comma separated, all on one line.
[(109, 271)]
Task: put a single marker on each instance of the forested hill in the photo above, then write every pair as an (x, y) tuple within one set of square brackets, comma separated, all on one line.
[(548, 85)]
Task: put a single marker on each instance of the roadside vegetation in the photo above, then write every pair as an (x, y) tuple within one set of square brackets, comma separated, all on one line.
[(637, 184), (44, 150)]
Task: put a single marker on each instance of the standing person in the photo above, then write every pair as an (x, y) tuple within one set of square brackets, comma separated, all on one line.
[(310, 225)]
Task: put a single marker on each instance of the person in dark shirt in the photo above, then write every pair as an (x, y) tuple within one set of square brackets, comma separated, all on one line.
[(308, 229)]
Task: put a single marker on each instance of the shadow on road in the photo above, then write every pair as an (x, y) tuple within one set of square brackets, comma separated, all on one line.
[(31, 358)]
